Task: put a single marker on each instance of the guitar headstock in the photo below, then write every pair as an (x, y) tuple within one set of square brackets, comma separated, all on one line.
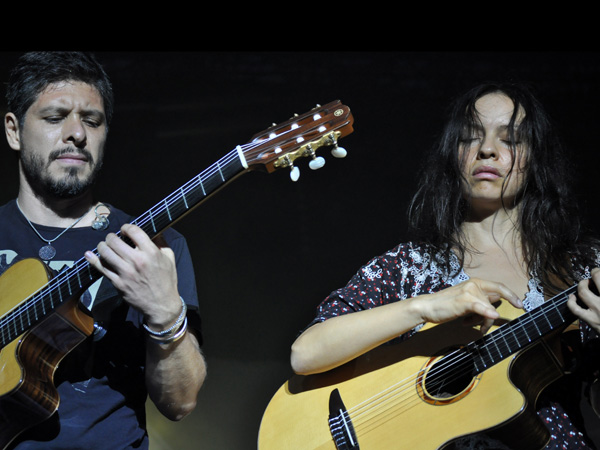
[(300, 137)]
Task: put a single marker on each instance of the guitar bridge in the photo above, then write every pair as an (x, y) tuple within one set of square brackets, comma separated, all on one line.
[(340, 424)]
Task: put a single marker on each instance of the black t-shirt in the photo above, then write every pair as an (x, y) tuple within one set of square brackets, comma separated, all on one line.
[(101, 382)]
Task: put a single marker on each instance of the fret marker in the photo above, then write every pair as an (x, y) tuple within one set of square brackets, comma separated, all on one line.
[(167, 208), (183, 197), (547, 320), (60, 297), (490, 354), (497, 348), (559, 314), (526, 334), (152, 220), (201, 185), (537, 328), (220, 172)]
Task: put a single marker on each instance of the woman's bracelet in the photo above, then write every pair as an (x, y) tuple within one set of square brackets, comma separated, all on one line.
[(171, 330), (173, 338)]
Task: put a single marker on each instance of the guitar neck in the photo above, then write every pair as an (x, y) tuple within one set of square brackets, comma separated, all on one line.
[(168, 211), (275, 148), (81, 275), (520, 332)]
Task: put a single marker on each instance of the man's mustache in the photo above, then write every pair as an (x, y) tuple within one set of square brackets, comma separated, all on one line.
[(70, 151)]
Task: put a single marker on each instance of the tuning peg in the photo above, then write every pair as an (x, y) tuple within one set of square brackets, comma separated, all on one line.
[(294, 173), (316, 163), (339, 152)]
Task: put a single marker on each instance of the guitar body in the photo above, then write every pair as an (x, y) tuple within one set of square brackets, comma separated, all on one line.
[(390, 407), (28, 363)]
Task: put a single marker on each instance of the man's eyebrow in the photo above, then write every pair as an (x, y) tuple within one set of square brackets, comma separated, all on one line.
[(52, 109)]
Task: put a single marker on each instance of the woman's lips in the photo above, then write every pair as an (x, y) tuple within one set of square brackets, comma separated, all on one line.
[(486, 173)]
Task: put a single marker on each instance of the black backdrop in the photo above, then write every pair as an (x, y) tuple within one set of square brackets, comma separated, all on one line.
[(267, 250)]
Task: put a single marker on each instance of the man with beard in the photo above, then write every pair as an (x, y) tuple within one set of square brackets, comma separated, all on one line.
[(145, 339)]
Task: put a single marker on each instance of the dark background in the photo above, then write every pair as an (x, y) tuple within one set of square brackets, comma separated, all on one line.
[(267, 250)]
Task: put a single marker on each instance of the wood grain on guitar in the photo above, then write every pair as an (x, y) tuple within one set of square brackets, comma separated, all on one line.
[(445, 382), (42, 320)]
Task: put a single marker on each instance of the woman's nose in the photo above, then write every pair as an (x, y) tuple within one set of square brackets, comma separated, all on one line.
[(487, 150)]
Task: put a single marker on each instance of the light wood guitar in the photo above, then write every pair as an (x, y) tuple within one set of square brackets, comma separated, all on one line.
[(445, 382), (41, 320)]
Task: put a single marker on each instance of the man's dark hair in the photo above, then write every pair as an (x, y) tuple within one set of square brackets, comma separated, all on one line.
[(36, 70)]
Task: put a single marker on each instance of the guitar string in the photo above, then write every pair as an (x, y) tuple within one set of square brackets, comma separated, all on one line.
[(530, 318), (430, 374), (380, 410), (57, 281), (392, 405), (391, 401), (438, 364), (256, 143), (383, 397), (50, 288), (160, 208)]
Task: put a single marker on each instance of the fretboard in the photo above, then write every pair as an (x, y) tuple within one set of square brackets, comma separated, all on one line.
[(520, 332), (183, 200), (81, 275)]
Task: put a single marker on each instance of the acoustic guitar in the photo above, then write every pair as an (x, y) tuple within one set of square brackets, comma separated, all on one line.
[(41, 318), (445, 382)]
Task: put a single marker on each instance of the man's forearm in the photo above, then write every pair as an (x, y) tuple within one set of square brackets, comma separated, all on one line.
[(175, 373)]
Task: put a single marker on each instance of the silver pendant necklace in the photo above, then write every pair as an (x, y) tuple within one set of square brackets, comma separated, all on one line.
[(47, 252)]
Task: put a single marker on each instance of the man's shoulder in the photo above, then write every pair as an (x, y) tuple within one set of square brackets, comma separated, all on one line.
[(8, 211), (7, 206)]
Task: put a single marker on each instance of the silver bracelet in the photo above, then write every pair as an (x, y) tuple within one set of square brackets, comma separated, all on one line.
[(175, 326), (169, 339)]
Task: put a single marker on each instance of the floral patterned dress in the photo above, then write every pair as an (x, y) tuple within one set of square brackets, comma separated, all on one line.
[(409, 270)]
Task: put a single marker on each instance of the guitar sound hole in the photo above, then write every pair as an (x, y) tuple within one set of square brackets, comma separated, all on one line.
[(446, 379)]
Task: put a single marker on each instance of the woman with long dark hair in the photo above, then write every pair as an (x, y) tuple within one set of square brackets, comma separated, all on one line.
[(493, 218)]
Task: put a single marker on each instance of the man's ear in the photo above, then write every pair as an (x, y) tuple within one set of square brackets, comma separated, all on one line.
[(11, 126)]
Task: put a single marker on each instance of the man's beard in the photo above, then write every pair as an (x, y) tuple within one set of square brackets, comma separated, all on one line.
[(69, 185)]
